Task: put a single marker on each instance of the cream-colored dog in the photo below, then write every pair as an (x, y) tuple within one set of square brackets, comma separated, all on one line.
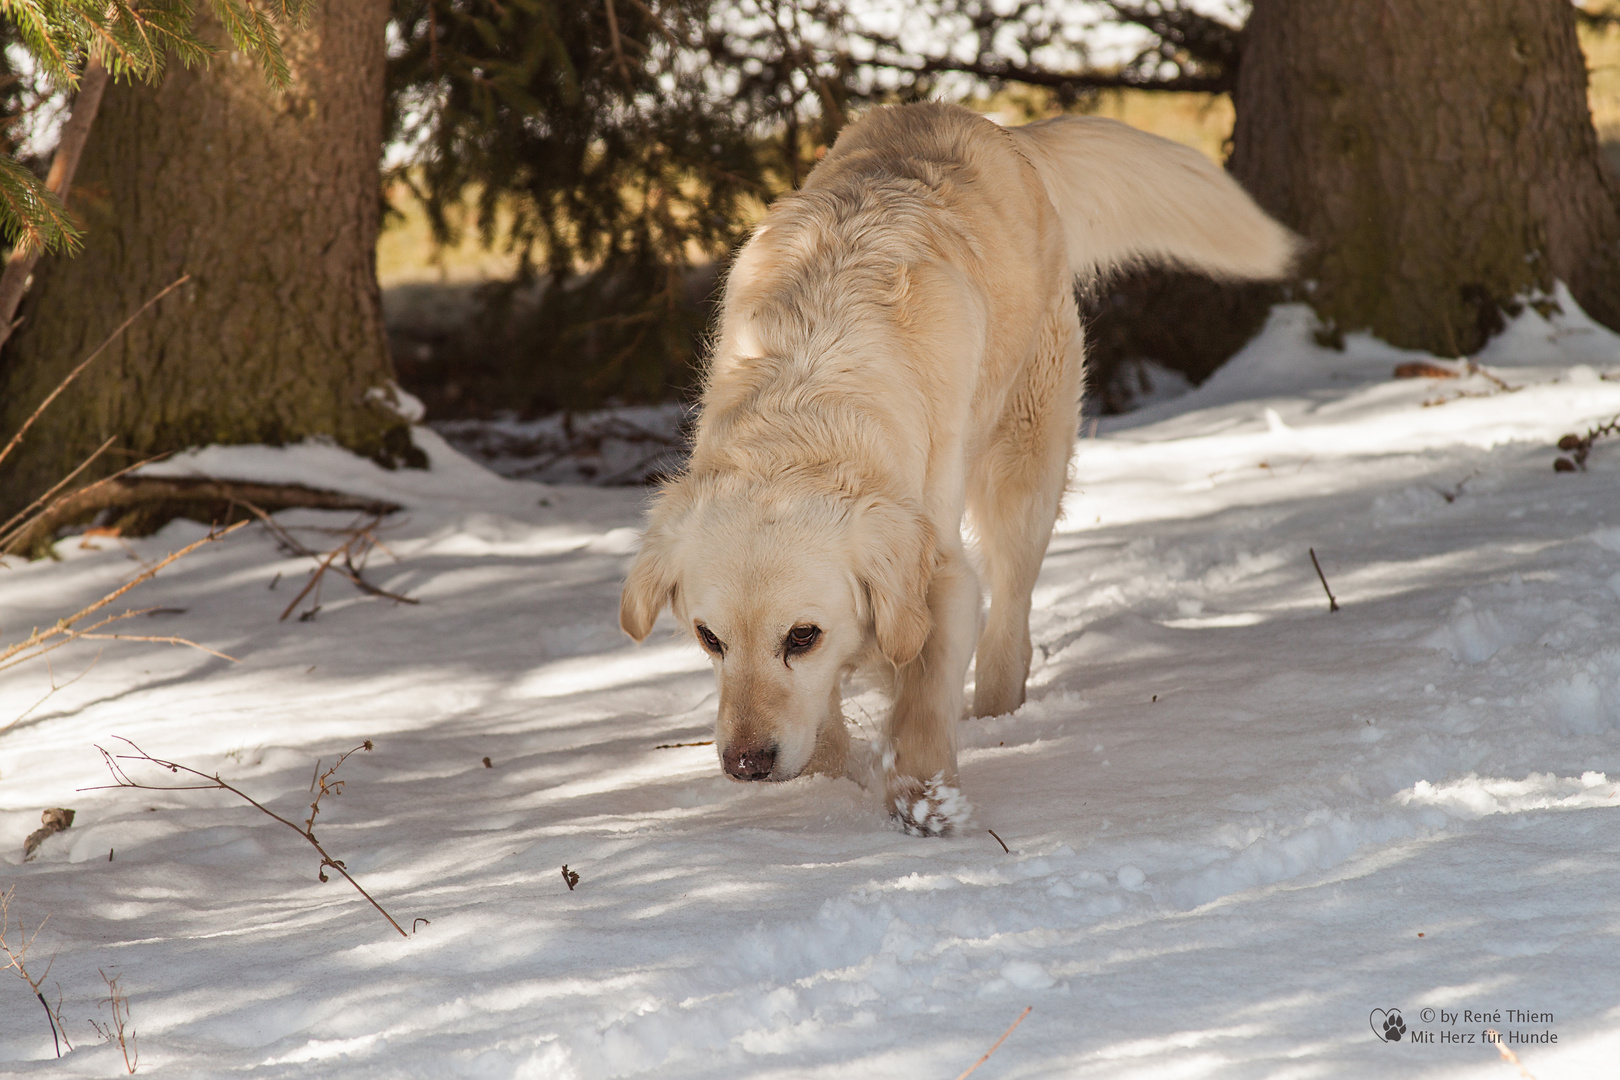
[(899, 346)]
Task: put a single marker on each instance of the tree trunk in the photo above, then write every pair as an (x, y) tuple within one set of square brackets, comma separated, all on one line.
[(1439, 156), (270, 201)]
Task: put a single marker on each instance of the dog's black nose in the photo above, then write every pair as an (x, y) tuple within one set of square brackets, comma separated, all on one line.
[(750, 762)]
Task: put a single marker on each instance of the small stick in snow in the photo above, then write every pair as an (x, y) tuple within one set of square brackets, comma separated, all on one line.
[(999, 840), (1456, 492), (678, 745), (121, 779), (1507, 1055), (999, 1041), (570, 877), (1333, 605)]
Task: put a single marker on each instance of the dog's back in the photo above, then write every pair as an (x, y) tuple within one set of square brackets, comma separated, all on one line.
[(1123, 196)]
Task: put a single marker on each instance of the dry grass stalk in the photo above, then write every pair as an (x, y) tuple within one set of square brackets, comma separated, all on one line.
[(359, 540), (16, 954), (118, 1030), (122, 779), (62, 633), (998, 1043)]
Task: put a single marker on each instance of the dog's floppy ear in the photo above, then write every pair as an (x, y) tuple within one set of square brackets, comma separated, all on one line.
[(653, 581), (896, 559)]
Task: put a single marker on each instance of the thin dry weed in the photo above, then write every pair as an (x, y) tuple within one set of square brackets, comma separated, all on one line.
[(15, 946), (118, 1030), (122, 779)]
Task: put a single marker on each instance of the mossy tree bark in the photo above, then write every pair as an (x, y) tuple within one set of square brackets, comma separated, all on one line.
[(1439, 156), (270, 201)]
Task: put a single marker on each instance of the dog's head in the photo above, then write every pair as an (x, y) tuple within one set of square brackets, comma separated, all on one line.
[(786, 590)]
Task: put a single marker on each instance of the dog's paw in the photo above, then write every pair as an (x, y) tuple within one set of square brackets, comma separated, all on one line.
[(928, 807)]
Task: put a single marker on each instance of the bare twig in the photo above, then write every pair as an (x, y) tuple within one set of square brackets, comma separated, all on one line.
[(997, 1045), (1333, 605), (1476, 368), (618, 47), (121, 779), (86, 362), (40, 641), (570, 877), (16, 955), (169, 640), (354, 535), (999, 840), (678, 745), (1457, 489)]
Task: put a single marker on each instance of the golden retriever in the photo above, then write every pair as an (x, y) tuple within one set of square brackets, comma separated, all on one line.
[(898, 347)]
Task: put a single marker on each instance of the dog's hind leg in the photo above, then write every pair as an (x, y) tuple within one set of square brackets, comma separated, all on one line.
[(920, 754), (1013, 500)]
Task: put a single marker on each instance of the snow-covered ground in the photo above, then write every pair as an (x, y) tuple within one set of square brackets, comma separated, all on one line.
[(1241, 828)]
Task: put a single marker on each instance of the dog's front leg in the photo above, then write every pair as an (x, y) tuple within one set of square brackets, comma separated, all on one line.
[(919, 761)]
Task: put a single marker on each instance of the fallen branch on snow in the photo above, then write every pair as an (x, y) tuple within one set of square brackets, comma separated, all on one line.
[(359, 541), (143, 504)]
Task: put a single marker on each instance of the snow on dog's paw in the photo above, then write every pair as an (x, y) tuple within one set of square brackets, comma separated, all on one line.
[(928, 807)]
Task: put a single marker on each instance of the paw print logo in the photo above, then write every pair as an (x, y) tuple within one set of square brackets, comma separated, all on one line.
[(1387, 1024)]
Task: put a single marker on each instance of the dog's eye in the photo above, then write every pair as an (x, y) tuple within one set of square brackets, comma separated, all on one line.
[(710, 642), (801, 639)]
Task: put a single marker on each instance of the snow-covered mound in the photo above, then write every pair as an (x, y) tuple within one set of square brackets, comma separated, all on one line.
[(1241, 829)]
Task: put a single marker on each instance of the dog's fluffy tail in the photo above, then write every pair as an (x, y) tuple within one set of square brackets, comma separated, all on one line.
[(1126, 198)]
